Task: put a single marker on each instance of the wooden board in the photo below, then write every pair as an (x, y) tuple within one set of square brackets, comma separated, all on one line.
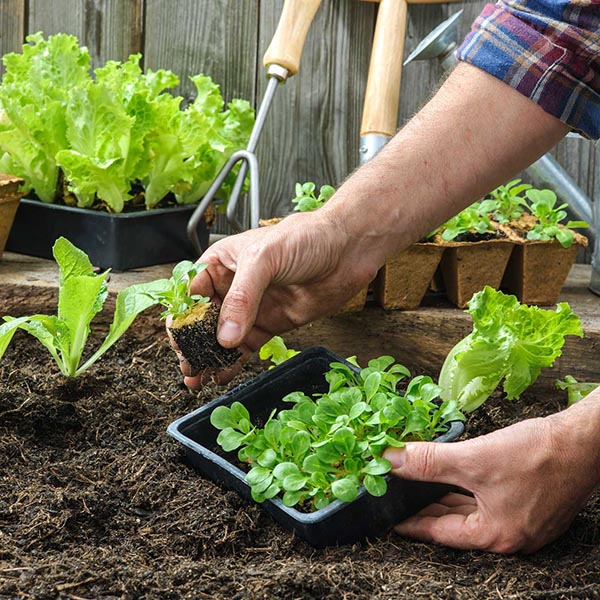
[(420, 338), (12, 27), (111, 29)]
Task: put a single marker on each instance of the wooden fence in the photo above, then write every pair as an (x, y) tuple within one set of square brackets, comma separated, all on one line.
[(312, 130)]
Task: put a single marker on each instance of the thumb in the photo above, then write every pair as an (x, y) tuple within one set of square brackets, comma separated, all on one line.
[(428, 461), (240, 304)]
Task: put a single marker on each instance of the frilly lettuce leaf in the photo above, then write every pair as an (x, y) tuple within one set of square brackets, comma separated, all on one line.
[(510, 343)]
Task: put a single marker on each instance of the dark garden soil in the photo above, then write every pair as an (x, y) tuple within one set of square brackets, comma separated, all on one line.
[(97, 502)]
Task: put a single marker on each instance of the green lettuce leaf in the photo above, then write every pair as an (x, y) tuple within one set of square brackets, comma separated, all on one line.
[(510, 343)]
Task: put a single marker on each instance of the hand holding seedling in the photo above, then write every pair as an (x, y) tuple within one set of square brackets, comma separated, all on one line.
[(527, 481), (274, 279)]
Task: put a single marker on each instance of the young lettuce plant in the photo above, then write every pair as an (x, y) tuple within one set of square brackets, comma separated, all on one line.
[(306, 198), (509, 203), (276, 351), (194, 319), (473, 219), (510, 343), (81, 296), (576, 390), (542, 204), (328, 445)]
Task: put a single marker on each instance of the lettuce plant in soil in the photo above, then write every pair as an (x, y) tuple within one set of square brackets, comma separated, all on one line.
[(81, 296), (576, 390)]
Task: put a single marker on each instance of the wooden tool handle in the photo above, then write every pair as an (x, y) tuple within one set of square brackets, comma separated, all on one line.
[(287, 43), (380, 111)]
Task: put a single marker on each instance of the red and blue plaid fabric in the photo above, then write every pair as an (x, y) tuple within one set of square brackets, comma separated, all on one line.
[(548, 50)]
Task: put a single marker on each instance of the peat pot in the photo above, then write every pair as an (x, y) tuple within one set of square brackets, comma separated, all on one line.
[(118, 241), (402, 282), (467, 267), (537, 270), (340, 522), (9, 202)]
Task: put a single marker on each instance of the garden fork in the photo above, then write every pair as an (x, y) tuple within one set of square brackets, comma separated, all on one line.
[(282, 60)]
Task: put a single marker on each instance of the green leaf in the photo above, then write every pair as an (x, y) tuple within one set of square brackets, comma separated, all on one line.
[(285, 469), (7, 331), (230, 440), (313, 464), (291, 498), (294, 482), (375, 485), (377, 466), (268, 458), (221, 418), (371, 385), (345, 489)]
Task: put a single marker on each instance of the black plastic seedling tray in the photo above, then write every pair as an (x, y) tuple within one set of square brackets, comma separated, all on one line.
[(340, 522), (117, 241)]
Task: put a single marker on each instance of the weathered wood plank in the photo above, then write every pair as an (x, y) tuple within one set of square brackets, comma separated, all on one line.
[(312, 130), (214, 37), (111, 29), (12, 27)]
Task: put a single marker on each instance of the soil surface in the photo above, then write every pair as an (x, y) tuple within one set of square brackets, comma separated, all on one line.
[(96, 501)]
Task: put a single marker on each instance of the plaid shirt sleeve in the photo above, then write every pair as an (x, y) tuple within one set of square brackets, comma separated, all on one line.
[(548, 50)]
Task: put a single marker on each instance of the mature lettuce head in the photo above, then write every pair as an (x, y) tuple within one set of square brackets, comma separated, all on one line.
[(111, 130), (510, 342)]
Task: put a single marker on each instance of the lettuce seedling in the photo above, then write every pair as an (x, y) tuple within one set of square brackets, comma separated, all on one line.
[(276, 351), (473, 219), (176, 296), (194, 320), (328, 445), (510, 342), (509, 203), (576, 390), (81, 296), (542, 204), (306, 199)]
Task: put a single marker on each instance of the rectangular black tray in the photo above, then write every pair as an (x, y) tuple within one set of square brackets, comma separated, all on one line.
[(117, 241), (338, 523)]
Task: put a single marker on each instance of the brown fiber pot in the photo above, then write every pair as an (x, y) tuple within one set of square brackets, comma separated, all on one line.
[(537, 270), (9, 202), (402, 282), (467, 267)]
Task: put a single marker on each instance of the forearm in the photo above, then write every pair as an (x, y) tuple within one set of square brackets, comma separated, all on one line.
[(577, 430), (474, 134)]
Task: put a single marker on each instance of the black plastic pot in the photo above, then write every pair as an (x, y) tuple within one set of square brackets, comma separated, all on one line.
[(338, 523), (117, 241)]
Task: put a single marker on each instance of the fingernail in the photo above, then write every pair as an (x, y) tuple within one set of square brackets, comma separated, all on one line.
[(229, 333), (397, 456)]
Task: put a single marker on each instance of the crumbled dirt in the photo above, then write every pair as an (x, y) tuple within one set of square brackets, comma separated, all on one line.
[(96, 500)]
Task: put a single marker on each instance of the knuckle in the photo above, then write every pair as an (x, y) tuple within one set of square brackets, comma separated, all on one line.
[(428, 462), (237, 300)]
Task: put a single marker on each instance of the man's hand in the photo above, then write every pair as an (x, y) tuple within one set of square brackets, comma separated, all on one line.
[(276, 278), (528, 481)]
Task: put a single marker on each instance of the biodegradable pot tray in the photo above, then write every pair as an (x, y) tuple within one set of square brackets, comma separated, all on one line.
[(338, 523), (118, 241), (402, 282)]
